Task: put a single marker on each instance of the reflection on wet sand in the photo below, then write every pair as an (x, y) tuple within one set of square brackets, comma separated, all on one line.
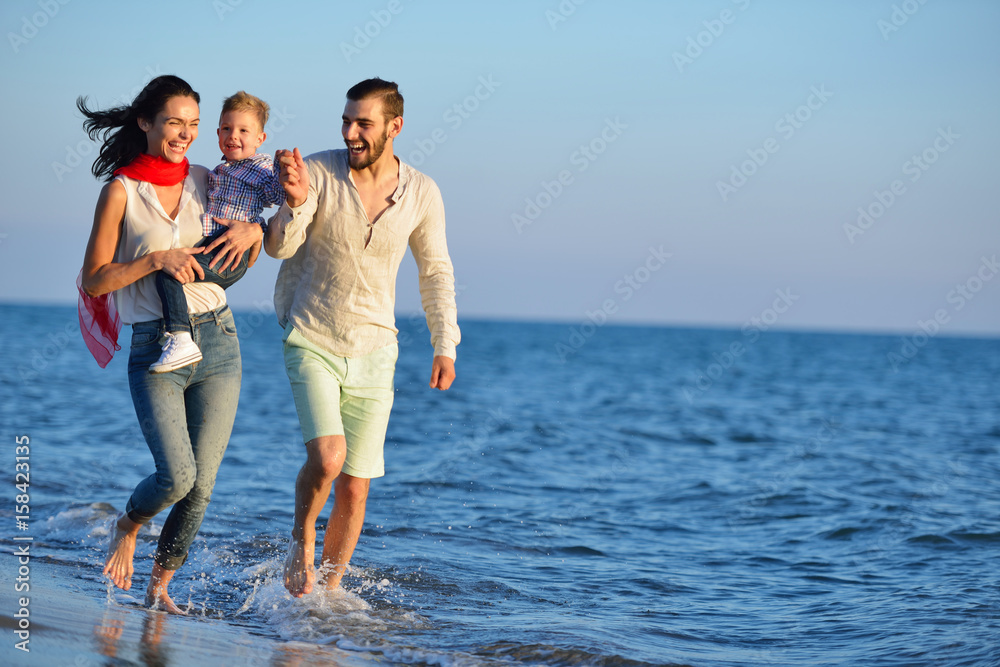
[(298, 654), (150, 649), (108, 638), (108, 633), (153, 648)]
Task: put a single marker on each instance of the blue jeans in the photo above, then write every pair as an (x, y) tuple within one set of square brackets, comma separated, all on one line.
[(175, 305), (186, 417)]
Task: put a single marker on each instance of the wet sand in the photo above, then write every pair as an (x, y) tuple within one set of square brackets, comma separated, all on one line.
[(73, 623)]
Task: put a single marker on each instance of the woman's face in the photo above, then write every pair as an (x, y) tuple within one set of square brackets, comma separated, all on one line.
[(170, 134)]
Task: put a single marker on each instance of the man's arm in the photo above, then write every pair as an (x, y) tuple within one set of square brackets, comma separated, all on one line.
[(286, 230), (437, 289), (239, 237)]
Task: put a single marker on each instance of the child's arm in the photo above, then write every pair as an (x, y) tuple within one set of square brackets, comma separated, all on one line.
[(272, 192)]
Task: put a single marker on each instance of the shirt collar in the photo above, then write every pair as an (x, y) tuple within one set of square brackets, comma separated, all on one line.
[(404, 178), (148, 192), (253, 159), (404, 175)]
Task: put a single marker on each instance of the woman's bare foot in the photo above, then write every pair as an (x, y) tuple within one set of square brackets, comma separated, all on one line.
[(156, 593), (118, 564), (300, 573), (160, 601)]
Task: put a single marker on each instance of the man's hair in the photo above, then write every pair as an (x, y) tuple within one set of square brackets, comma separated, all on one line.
[(243, 101), (387, 91)]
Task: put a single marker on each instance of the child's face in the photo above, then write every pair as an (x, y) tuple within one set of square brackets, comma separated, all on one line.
[(240, 135)]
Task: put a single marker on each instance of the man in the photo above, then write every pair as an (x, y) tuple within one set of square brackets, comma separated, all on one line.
[(343, 231)]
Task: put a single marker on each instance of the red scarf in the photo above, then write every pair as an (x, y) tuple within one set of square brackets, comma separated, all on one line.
[(155, 169), (99, 323)]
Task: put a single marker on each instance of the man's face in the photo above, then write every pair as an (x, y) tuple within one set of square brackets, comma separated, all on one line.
[(365, 131)]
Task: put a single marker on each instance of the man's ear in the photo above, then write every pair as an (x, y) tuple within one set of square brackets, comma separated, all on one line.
[(395, 126)]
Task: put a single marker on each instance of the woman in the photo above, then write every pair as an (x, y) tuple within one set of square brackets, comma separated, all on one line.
[(148, 219)]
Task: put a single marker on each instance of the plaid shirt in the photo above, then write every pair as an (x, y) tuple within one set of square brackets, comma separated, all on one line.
[(240, 190)]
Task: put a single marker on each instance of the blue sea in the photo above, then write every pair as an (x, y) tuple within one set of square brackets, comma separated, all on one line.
[(583, 495)]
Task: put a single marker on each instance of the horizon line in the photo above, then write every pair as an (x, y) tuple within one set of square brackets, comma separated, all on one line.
[(624, 323)]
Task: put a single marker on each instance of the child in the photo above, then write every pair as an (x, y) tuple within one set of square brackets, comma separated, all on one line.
[(238, 189)]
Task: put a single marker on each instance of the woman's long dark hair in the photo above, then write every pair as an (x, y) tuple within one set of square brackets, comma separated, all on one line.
[(122, 140)]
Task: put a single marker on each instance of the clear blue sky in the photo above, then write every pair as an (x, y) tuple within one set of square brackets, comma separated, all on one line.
[(667, 98)]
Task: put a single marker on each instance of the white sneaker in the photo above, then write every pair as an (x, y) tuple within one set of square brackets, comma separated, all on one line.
[(179, 351)]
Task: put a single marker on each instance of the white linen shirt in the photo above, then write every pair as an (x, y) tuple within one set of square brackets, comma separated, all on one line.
[(337, 285)]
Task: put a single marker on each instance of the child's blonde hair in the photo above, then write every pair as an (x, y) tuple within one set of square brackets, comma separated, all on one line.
[(243, 101)]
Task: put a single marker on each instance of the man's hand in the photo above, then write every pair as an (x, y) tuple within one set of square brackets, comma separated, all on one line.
[(240, 237), (442, 373), (294, 176)]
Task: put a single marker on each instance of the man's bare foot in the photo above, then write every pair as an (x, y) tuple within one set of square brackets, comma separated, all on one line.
[(157, 597), (331, 575), (300, 574), (118, 564)]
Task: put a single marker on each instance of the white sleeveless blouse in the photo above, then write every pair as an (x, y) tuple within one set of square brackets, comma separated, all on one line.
[(147, 228)]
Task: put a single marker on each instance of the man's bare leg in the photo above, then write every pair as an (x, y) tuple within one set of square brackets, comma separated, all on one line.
[(344, 528), (324, 459), (156, 592), (118, 564)]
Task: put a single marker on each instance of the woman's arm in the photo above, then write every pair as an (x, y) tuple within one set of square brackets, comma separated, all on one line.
[(101, 274)]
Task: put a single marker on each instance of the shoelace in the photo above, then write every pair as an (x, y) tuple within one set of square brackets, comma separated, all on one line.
[(171, 343)]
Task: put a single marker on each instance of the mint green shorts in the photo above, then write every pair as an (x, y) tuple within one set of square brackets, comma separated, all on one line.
[(344, 396)]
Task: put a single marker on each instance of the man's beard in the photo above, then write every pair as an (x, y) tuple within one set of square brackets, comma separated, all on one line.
[(374, 152)]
